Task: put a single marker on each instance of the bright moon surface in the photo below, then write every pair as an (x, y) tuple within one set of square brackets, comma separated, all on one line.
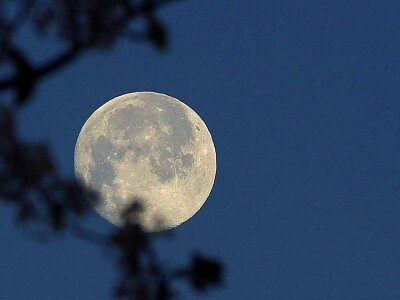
[(151, 147)]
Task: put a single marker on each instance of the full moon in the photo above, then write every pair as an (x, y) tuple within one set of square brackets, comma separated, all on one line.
[(151, 148)]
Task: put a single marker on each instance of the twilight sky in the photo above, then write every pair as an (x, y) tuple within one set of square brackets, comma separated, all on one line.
[(303, 102)]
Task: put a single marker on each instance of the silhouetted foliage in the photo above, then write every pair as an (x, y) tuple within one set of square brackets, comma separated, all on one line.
[(80, 26), (29, 179)]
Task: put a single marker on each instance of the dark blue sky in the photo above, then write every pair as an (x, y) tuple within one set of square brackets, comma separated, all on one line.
[(302, 99)]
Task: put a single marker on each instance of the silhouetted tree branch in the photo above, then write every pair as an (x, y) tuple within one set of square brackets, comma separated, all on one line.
[(82, 25), (29, 179)]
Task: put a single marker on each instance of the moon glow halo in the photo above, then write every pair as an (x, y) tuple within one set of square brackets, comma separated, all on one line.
[(147, 146)]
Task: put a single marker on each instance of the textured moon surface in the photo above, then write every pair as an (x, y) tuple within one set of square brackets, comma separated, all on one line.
[(151, 147)]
